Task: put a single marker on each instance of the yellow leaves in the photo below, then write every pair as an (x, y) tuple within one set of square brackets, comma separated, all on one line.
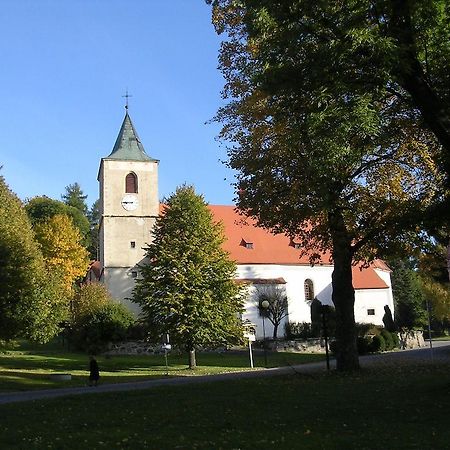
[(89, 298), (60, 243), (409, 173), (439, 295)]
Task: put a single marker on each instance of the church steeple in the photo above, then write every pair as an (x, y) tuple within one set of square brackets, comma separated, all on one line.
[(129, 207), (128, 146)]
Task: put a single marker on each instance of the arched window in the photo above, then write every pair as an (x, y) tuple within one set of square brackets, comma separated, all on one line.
[(131, 183), (309, 291)]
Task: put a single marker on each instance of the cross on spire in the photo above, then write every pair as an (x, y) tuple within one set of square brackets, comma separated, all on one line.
[(126, 96)]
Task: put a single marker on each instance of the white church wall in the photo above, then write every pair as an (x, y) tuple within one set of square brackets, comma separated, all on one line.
[(252, 314), (295, 276), (299, 310), (120, 283), (373, 300), (386, 277)]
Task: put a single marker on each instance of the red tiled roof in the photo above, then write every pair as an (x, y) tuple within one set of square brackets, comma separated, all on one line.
[(95, 267), (267, 248), (367, 278), (380, 264), (271, 248), (277, 249)]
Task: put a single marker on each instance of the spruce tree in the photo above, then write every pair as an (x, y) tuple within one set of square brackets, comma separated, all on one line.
[(75, 197)]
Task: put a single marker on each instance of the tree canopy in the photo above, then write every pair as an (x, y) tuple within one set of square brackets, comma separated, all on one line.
[(327, 142), (96, 319), (60, 243), (32, 303), (75, 197), (385, 49), (94, 219), (410, 312), (42, 208), (187, 287)]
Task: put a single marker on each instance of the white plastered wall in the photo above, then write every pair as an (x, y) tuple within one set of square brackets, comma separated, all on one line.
[(299, 309), (372, 299), (295, 276), (120, 283)]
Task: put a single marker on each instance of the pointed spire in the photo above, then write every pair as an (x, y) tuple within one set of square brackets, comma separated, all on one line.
[(128, 145)]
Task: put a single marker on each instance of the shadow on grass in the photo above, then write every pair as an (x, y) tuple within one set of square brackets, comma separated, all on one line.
[(12, 381), (28, 367)]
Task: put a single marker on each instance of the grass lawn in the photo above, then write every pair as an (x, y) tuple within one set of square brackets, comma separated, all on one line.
[(27, 367), (399, 407)]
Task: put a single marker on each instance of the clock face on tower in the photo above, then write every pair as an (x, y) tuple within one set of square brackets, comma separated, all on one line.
[(129, 202)]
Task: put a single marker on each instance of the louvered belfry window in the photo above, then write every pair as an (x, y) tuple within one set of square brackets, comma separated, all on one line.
[(131, 183)]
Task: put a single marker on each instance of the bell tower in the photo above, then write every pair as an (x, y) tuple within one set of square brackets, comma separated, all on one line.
[(129, 206)]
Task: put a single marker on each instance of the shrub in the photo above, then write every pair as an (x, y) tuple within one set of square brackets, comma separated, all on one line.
[(306, 330), (299, 330), (109, 323), (89, 298), (364, 329), (363, 344), (396, 340), (138, 332), (389, 341), (378, 344)]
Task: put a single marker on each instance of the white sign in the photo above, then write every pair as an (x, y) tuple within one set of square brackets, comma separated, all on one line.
[(250, 336)]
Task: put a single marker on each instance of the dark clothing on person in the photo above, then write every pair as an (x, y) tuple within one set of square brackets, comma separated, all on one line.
[(94, 372)]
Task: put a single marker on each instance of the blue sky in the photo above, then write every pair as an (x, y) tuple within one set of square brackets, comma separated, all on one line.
[(66, 66)]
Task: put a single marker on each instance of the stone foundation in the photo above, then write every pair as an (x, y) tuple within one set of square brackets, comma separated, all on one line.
[(303, 346), (408, 340), (411, 339), (134, 348)]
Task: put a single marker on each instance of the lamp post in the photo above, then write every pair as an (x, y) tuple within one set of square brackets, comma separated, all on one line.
[(264, 306), (324, 310), (167, 347), (429, 329)]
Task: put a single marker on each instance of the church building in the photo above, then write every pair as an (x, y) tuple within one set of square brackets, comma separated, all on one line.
[(129, 206)]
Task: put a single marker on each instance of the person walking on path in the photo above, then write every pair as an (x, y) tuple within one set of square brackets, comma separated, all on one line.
[(94, 372)]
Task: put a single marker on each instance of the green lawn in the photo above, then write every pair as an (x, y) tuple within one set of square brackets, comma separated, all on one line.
[(398, 407), (27, 367)]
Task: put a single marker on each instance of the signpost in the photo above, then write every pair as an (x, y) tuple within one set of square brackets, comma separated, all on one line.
[(250, 334), (166, 346)]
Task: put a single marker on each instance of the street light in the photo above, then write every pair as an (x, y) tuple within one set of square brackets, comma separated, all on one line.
[(325, 309), (264, 307)]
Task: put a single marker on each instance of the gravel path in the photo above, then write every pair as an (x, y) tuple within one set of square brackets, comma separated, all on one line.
[(439, 354)]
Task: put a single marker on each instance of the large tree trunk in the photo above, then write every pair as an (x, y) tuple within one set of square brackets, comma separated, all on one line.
[(192, 359), (343, 296), (448, 260)]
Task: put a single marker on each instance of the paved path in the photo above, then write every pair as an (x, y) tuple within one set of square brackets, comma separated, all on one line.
[(439, 354)]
